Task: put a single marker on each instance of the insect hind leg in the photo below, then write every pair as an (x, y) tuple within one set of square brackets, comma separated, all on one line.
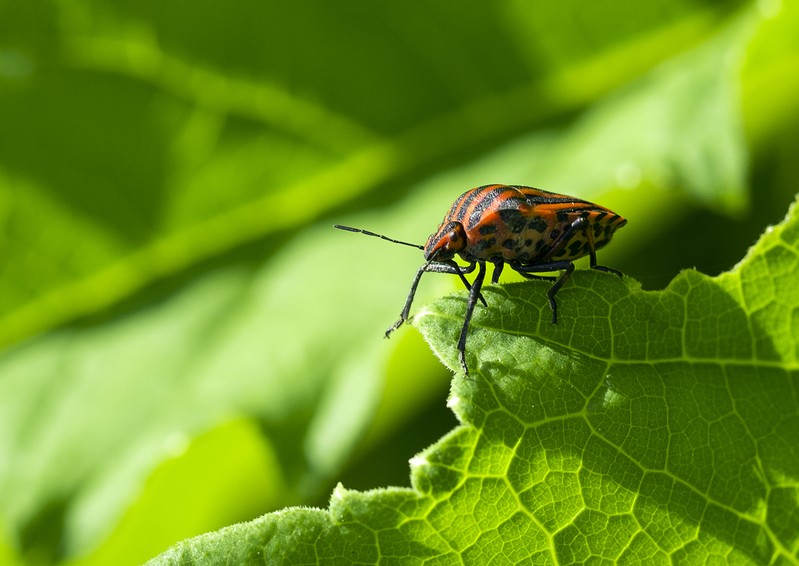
[(607, 269), (592, 257), (564, 265)]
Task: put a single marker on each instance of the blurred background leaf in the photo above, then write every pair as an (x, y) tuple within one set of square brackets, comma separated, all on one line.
[(179, 317)]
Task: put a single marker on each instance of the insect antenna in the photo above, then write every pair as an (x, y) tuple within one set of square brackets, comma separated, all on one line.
[(381, 236)]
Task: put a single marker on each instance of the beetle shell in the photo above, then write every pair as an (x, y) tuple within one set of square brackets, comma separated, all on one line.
[(520, 225)]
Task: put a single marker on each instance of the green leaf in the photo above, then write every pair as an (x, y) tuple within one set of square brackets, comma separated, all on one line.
[(649, 427)]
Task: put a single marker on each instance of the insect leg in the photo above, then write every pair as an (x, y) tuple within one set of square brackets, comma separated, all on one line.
[(497, 272), (537, 277), (407, 308), (433, 267), (466, 282), (565, 265), (554, 291), (453, 268), (450, 267), (474, 292), (592, 256)]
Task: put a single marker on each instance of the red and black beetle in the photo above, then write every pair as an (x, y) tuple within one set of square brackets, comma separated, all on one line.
[(531, 230)]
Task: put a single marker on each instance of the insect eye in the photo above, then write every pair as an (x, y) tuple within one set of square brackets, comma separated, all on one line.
[(456, 238)]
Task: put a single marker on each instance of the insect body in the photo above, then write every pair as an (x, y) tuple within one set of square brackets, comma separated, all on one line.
[(531, 230)]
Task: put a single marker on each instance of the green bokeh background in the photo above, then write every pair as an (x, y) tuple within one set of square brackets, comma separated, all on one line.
[(188, 343)]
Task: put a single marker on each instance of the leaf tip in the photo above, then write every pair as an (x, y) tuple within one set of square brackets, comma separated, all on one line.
[(338, 493), (421, 314)]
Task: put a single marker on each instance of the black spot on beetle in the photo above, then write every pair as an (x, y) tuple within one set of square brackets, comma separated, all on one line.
[(510, 243), (513, 220), (574, 248), (485, 243), (538, 224), (486, 229), (554, 234)]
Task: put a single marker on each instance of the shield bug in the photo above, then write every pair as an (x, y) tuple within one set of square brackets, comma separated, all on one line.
[(531, 230)]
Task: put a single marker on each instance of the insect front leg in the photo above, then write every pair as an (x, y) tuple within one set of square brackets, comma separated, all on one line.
[(474, 293), (434, 267), (452, 267), (408, 301)]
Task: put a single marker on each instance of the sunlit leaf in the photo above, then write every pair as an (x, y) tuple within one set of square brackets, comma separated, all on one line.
[(644, 427)]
